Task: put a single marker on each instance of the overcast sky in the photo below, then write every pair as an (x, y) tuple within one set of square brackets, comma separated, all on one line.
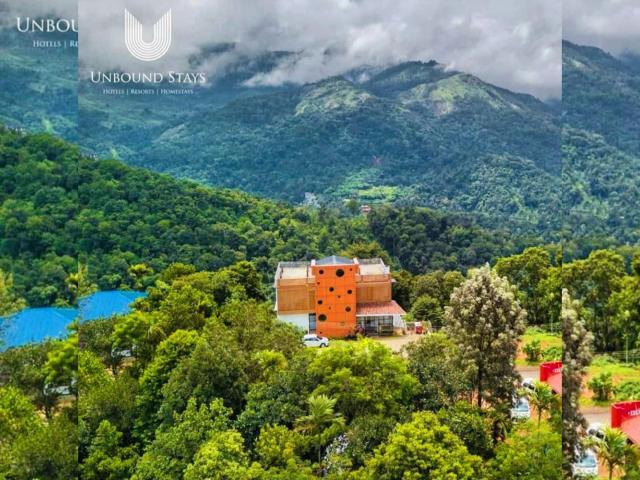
[(514, 44), (613, 25)]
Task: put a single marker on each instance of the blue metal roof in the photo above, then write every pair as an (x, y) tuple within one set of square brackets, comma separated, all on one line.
[(107, 304), (35, 325)]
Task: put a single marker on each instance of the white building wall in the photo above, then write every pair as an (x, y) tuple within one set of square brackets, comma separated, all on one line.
[(298, 319)]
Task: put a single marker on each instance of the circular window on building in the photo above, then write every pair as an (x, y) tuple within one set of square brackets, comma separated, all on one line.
[(349, 291), (348, 309), (319, 302), (339, 273), (322, 317), (321, 272), (331, 289)]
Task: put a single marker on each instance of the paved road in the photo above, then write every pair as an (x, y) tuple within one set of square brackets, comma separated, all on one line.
[(597, 415)]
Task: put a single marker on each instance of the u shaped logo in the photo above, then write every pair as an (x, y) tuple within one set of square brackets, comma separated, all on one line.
[(147, 51)]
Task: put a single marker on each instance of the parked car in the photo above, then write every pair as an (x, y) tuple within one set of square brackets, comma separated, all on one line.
[(521, 409), (586, 465), (529, 384), (596, 430), (313, 340)]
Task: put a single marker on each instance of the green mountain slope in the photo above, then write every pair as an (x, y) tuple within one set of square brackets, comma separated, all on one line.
[(57, 206), (411, 133), (38, 86), (601, 145)]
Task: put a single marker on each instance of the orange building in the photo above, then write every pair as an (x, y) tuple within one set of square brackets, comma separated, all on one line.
[(338, 296)]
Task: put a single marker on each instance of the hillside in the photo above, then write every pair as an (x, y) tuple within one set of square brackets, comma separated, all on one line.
[(38, 86), (601, 146), (57, 206), (413, 133)]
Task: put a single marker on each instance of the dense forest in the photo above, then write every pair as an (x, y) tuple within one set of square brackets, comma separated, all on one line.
[(202, 381), (404, 135), (601, 151), (57, 206)]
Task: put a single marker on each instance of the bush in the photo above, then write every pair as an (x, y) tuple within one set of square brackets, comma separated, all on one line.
[(532, 350), (551, 354), (629, 390), (602, 386)]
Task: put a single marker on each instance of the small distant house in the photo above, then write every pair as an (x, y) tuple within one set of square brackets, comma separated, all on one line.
[(337, 297), (365, 209)]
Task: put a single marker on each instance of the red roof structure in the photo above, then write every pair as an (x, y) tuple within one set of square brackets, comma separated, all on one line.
[(626, 417), (551, 373), (379, 308)]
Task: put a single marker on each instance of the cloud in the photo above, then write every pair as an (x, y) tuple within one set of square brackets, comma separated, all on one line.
[(514, 46), (11, 9), (613, 25)]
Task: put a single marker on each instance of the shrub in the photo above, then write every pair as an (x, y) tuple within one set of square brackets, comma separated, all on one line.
[(629, 390), (532, 350), (551, 354), (602, 386)]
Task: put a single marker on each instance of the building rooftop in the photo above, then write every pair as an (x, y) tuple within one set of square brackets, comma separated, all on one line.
[(379, 308), (302, 270), (335, 260), (35, 325)]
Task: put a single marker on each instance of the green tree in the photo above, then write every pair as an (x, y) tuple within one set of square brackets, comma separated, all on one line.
[(223, 457), (527, 272), (277, 446), (107, 459), (366, 250), (174, 447), (215, 368), (168, 354), (62, 363), (624, 308), (364, 377), (593, 281), (428, 310), (139, 272), (470, 424), (10, 302), (322, 423), (601, 386), (434, 361), (133, 332), (534, 455), (422, 448), (79, 283), (18, 417), (541, 398), (50, 452), (612, 449), (486, 321)]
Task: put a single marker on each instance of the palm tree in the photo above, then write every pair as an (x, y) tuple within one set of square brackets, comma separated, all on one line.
[(613, 449), (542, 398), (322, 423)]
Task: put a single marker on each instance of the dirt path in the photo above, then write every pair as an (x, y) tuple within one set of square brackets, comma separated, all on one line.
[(396, 343)]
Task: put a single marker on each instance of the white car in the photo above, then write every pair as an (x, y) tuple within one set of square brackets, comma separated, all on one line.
[(596, 430), (529, 384), (586, 465), (521, 409), (313, 340)]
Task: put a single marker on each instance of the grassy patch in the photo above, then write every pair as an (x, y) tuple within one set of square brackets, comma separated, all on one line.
[(546, 339), (620, 372)]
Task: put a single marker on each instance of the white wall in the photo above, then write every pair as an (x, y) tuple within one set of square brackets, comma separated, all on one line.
[(299, 319)]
